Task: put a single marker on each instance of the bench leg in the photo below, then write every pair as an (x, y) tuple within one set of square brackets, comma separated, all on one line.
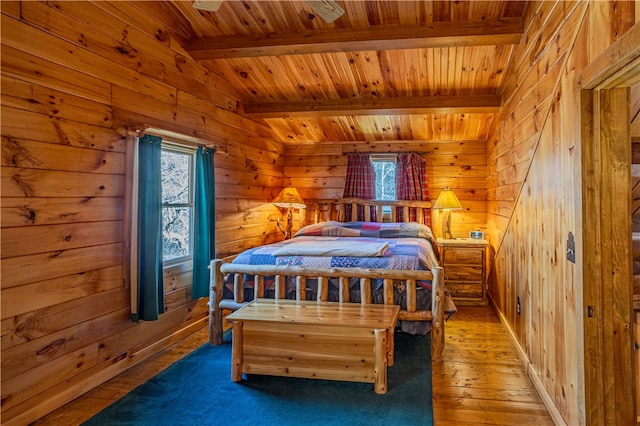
[(391, 341), (380, 355), (236, 352)]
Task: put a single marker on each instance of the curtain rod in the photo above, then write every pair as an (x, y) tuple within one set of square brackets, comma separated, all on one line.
[(140, 129)]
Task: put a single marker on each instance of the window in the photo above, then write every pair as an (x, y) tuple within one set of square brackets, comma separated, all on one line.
[(177, 201), (172, 204), (384, 166)]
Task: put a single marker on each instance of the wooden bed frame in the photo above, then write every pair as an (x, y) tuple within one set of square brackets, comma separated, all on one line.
[(324, 210)]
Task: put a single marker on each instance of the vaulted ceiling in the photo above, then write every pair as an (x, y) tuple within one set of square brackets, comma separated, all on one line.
[(383, 71)]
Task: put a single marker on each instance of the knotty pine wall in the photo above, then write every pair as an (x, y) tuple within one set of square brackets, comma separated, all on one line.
[(534, 189), (74, 76), (318, 171)]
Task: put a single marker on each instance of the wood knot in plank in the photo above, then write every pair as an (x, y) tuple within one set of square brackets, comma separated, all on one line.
[(56, 254), (24, 186), (52, 347)]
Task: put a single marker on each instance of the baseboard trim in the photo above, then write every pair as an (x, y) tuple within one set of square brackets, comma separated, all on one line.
[(532, 372)]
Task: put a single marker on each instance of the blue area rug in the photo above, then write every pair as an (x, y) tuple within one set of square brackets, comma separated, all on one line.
[(198, 390)]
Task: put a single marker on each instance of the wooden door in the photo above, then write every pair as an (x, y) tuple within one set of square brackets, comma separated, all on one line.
[(606, 233)]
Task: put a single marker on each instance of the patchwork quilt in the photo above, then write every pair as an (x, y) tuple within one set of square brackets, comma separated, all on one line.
[(409, 246), (404, 245)]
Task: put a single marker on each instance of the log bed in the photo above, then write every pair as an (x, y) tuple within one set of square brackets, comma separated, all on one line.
[(324, 210)]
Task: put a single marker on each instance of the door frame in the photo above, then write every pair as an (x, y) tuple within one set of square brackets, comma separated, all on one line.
[(607, 266)]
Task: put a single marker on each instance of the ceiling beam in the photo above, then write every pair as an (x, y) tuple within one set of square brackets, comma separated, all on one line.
[(389, 106), (383, 37)]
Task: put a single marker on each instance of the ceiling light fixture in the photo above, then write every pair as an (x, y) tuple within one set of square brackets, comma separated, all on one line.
[(328, 10), (208, 5)]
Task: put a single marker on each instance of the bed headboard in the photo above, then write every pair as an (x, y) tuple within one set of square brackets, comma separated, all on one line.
[(335, 209)]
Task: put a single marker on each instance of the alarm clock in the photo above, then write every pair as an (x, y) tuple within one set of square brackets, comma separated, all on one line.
[(476, 235)]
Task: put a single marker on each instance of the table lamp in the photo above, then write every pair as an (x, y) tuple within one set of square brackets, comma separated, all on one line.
[(446, 202), (289, 199)]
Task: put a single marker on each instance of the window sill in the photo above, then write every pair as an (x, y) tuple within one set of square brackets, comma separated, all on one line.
[(178, 267)]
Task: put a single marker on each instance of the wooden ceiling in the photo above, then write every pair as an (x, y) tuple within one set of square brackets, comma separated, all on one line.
[(384, 71)]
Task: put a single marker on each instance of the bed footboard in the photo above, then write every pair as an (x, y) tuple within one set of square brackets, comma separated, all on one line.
[(218, 269)]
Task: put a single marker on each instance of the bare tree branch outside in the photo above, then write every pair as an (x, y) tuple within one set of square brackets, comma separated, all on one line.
[(385, 180), (176, 204)]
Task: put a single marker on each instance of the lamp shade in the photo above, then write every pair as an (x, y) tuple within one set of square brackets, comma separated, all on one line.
[(289, 198), (447, 200)]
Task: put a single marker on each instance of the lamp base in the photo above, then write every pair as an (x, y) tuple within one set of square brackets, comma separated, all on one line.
[(287, 232), (289, 223), (446, 225)]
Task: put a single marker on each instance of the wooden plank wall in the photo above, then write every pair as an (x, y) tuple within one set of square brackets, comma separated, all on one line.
[(318, 171), (534, 191), (73, 75)]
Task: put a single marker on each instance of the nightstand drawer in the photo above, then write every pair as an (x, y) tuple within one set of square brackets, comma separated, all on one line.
[(465, 290), (464, 273), (458, 255)]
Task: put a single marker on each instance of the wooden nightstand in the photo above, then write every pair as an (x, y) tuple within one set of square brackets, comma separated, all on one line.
[(465, 269)]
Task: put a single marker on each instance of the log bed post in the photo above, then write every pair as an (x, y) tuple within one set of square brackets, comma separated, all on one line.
[(216, 281), (437, 310)]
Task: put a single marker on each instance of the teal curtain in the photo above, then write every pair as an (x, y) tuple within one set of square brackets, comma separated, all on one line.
[(150, 286), (204, 221)]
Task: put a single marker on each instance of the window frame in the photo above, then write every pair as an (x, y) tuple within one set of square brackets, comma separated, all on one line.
[(386, 157), (184, 149)]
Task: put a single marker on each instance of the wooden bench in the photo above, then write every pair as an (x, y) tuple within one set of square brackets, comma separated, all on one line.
[(332, 341)]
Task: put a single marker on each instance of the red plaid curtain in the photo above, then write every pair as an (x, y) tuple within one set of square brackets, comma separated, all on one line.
[(360, 182), (411, 183)]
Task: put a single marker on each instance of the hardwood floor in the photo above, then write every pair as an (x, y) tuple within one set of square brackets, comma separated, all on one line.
[(481, 380)]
